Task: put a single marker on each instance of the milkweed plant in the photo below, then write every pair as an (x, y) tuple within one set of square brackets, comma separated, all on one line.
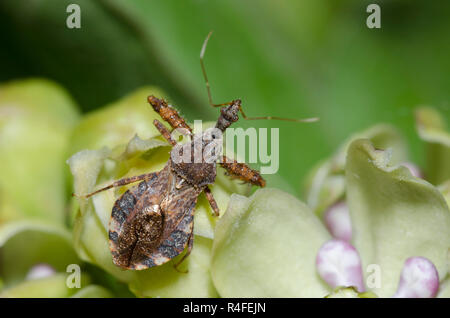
[(370, 223)]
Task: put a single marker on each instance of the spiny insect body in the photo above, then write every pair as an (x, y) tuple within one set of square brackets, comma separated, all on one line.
[(152, 222)]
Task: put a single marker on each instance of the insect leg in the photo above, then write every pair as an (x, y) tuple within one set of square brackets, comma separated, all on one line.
[(188, 252), (211, 200), (168, 113), (164, 132), (117, 183), (242, 171)]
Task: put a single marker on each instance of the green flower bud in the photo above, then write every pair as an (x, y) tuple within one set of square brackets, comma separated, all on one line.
[(29, 247), (36, 119), (325, 185), (25, 244), (54, 286), (432, 129), (395, 215), (265, 246)]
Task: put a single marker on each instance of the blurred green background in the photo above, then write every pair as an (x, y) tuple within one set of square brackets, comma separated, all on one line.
[(282, 58)]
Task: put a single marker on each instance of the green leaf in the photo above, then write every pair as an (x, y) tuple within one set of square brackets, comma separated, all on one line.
[(24, 244), (265, 246), (431, 127), (36, 118), (394, 215)]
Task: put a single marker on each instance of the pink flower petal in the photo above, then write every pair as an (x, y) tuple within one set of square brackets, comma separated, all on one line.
[(40, 271), (419, 279), (415, 170), (338, 222), (338, 264)]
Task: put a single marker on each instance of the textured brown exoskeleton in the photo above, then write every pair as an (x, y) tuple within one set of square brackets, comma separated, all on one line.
[(152, 222)]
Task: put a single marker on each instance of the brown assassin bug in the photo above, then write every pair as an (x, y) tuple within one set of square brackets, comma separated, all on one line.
[(152, 222)]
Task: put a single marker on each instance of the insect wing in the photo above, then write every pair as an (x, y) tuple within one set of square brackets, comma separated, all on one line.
[(178, 227), (151, 223), (132, 215)]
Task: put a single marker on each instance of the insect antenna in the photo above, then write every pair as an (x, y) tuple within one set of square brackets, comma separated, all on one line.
[(238, 102), (205, 76)]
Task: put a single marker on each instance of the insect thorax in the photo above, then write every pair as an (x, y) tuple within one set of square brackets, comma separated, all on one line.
[(195, 162)]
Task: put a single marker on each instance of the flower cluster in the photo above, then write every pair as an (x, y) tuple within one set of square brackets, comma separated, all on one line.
[(373, 224)]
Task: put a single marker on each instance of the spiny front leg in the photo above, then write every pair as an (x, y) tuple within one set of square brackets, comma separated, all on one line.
[(243, 172), (168, 114)]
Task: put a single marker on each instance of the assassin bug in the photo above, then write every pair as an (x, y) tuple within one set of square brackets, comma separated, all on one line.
[(152, 222)]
